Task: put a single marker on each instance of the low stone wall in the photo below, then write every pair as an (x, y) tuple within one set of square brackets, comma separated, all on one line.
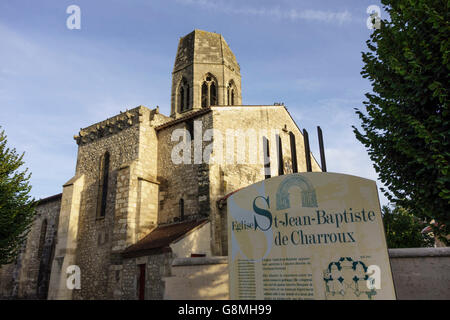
[(200, 278), (419, 273)]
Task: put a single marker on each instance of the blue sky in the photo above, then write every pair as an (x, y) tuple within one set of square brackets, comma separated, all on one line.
[(54, 81)]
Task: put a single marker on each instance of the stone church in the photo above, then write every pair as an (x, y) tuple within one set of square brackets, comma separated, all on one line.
[(132, 206)]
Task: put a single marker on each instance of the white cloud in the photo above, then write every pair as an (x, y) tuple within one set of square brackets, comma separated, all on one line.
[(275, 12)]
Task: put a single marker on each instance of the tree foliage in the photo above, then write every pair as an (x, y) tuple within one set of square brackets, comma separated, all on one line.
[(16, 205), (403, 229), (406, 127)]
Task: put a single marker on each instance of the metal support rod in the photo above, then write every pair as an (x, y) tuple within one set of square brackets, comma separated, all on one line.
[(307, 151), (322, 150)]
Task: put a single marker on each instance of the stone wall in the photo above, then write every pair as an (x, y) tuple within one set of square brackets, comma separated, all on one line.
[(421, 273), (97, 235), (66, 242), (157, 267), (200, 183), (187, 181), (418, 273), (29, 276), (228, 177), (131, 203), (202, 278), (8, 280)]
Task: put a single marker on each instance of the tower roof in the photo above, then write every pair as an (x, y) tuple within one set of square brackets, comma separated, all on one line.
[(204, 47)]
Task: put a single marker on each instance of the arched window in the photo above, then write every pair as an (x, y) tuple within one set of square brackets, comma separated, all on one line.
[(209, 91), (103, 185), (181, 208)]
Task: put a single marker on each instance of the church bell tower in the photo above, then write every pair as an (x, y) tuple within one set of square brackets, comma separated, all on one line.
[(205, 74)]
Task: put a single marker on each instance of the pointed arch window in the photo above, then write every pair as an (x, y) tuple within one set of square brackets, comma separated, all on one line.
[(103, 186), (209, 91)]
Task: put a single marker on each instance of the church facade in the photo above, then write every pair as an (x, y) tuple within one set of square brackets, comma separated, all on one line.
[(149, 188)]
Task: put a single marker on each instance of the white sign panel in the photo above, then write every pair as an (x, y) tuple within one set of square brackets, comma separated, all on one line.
[(308, 236)]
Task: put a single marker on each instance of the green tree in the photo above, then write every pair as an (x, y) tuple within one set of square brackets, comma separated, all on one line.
[(16, 206), (406, 129), (403, 229)]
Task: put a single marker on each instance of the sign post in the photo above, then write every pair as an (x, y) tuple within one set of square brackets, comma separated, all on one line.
[(310, 235)]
